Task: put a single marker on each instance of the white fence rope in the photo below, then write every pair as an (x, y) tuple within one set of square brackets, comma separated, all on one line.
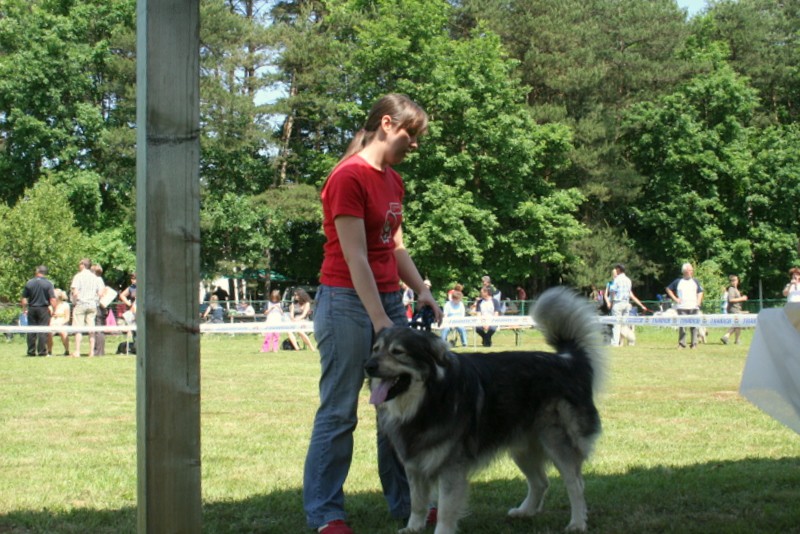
[(717, 320), (744, 320)]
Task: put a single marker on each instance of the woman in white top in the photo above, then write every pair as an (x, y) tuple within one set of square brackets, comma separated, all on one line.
[(792, 289), (452, 309)]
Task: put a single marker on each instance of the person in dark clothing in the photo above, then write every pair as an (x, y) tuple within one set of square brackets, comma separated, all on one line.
[(37, 297)]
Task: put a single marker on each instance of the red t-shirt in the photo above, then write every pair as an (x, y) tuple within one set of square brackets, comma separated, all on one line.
[(358, 189)]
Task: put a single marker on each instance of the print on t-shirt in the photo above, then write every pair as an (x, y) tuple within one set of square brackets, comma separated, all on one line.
[(393, 215)]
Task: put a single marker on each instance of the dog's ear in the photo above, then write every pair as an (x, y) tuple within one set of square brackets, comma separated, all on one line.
[(439, 349)]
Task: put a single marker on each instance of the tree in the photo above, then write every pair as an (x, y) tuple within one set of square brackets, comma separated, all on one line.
[(297, 238), (235, 138), (762, 37), (235, 233), (695, 147), (54, 99), (484, 157), (585, 63), (40, 229), (772, 200), (312, 48), (598, 252)]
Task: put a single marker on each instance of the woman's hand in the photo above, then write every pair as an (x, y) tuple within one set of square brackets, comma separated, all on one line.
[(426, 299), (383, 322)]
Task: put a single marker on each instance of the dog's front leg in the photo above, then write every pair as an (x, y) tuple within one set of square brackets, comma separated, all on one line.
[(453, 494), (420, 487)]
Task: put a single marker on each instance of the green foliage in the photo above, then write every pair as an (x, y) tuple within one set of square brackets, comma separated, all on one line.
[(546, 118), (694, 146), (54, 104), (762, 38), (714, 281), (111, 249), (39, 229), (598, 251), (298, 241), (772, 197), (585, 63), (234, 140), (484, 158), (235, 232)]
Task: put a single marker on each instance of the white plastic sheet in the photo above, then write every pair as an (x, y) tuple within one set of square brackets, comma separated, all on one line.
[(771, 377)]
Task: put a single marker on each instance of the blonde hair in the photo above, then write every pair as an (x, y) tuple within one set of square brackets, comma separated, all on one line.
[(405, 113), (275, 295)]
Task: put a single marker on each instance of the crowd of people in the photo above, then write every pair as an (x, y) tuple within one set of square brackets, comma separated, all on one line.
[(85, 305), (686, 295)]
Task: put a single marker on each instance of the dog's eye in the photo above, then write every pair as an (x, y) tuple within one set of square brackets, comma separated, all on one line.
[(397, 351)]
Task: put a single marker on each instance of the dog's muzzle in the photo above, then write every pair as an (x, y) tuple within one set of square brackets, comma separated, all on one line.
[(383, 388)]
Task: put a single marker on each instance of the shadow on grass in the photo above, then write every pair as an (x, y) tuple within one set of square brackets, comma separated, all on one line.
[(746, 496)]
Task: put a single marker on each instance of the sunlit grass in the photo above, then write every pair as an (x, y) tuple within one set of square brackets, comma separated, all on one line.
[(681, 450)]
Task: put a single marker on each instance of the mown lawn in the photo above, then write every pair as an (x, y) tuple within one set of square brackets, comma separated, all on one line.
[(681, 450)]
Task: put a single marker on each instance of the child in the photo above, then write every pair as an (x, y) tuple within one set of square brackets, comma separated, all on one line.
[(274, 315)]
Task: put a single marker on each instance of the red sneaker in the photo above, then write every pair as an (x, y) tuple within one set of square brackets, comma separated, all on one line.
[(433, 515), (336, 527)]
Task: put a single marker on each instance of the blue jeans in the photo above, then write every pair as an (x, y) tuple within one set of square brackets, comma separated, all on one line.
[(344, 338), (461, 332)]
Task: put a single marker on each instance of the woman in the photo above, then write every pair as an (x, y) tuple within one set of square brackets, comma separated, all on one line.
[(360, 295), (454, 308), (734, 299), (487, 307), (299, 310), (792, 289), (59, 317)]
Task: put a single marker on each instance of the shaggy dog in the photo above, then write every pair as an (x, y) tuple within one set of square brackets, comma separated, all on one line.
[(449, 414)]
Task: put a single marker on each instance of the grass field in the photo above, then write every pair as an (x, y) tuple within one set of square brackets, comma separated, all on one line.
[(681, 450)]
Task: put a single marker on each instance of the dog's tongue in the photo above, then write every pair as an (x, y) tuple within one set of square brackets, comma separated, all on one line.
[(379, 393)]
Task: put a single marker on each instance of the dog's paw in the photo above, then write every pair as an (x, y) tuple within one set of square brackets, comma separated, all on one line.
[(416, 523), (521, 512), (576, 526)]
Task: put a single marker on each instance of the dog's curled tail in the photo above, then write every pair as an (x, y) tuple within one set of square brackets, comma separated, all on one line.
[(569, 322)]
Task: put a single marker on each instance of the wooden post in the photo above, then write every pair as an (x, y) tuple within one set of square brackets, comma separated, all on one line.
[(168, 258)]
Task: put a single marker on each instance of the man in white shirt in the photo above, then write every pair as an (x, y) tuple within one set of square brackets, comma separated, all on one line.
[(85, 290), (687, 293)]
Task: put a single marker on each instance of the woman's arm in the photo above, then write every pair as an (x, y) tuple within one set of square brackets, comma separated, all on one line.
[(124, 296), (740, 298), (305, 310), (353, 239)]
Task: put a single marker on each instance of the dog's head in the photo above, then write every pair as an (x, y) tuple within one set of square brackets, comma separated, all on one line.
[(403, 359)]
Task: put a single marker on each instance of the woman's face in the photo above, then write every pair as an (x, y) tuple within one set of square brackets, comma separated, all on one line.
[(400, 141)]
